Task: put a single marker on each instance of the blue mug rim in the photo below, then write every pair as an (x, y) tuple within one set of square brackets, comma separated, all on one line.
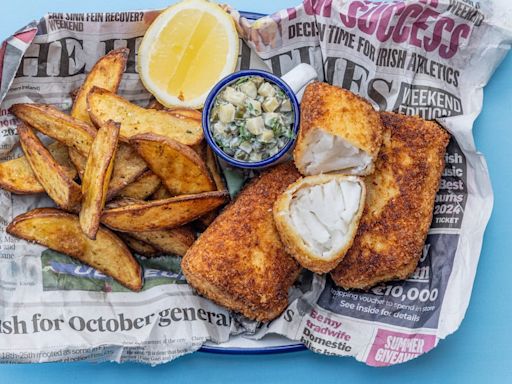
[(209, 104)]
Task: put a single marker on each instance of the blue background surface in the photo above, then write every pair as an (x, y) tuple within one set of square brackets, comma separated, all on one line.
[(480, 351)]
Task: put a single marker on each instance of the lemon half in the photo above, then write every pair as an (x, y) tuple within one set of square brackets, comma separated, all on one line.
[(187, 49)]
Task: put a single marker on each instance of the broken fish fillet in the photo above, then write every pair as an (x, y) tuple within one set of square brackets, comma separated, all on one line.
[(399, 204), (239, 261), (339, 132), (317, 218)]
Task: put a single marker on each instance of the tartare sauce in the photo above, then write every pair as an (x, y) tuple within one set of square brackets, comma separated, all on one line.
[(252, 119)]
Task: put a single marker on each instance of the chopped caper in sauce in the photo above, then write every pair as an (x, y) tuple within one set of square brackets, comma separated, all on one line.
[(252, 119)]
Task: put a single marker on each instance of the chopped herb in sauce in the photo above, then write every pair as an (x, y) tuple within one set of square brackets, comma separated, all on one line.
[(252, 119)]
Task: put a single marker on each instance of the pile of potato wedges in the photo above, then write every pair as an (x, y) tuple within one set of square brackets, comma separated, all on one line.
[(124, 178)]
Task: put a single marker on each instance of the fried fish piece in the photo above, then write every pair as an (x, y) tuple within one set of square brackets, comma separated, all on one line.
[(399, 203), (339, 132), (317, 218), (239, 261)]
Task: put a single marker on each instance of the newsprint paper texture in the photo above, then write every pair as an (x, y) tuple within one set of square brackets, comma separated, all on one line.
[(424, 57)]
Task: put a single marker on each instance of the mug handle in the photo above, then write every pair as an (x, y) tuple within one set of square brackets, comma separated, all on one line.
[(299, 77)]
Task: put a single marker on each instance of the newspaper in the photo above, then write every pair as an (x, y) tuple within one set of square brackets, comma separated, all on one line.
[(425, 57)]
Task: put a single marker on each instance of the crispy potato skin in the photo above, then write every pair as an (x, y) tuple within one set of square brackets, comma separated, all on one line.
[(240, 261), (141, 216), (98, 172), (340, 113), (104, 105), (107, 74), (61, 232), (399, 204), (56, 124), (52, 176), (293, 242), (181, 169), (17, 177)]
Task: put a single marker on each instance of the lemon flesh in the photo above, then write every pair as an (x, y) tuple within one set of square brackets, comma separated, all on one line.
[(187, 49)]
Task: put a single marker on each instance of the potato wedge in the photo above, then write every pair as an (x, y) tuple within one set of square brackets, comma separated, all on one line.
[(145, 185), (78, 161), (140, 216), (78, 136), (61, 232), (107, 74), (178, 112), (213, 167), (211, 162), (16, 176), (138, 246), (56, 124), (128, 166), (176, 241), (52, 176), (95, 182), (206, 154), (181, 169), (105, 105), (160, 193)]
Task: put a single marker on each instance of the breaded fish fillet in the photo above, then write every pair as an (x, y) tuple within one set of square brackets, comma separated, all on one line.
[(317, 218), (399, 203), (339, 132), (239, 261)]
